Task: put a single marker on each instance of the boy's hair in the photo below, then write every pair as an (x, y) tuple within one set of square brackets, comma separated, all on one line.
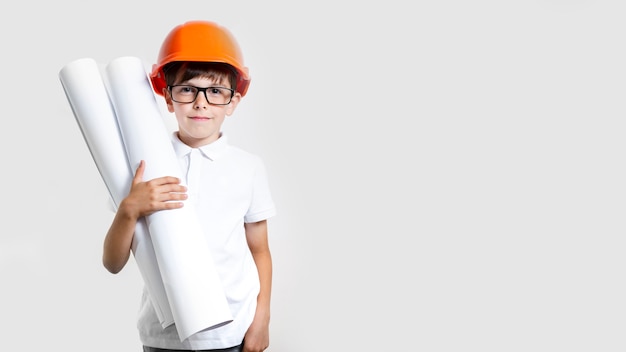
[(181, 71)]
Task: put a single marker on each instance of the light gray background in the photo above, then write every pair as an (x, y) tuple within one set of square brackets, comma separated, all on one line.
[(449, 174)]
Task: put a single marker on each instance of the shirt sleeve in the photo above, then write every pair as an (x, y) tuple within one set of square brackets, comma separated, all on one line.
[(262, 205)]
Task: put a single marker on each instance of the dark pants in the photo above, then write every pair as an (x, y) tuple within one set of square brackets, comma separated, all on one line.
[(230, 349)]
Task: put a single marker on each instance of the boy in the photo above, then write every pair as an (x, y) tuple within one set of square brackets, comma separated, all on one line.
[(200, 74)]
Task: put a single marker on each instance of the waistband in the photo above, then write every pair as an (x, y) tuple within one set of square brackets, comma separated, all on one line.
[(229, 349)]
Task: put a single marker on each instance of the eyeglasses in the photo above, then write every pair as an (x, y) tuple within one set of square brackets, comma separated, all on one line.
[(185, 94)]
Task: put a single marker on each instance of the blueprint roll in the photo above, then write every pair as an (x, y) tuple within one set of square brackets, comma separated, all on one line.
[(191, 281), (86, 92)]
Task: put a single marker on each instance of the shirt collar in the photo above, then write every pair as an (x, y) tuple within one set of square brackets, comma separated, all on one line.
[(212, 150)]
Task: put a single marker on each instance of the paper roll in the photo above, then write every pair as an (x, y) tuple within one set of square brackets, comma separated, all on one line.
[(191, 281), (90, 103)]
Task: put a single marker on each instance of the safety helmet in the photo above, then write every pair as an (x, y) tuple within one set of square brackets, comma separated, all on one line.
[(200, 41)]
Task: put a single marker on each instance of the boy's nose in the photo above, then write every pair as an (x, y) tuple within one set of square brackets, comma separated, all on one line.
[(201, 100)]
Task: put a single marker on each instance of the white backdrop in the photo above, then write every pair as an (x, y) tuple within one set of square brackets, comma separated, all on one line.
[(448, 175)]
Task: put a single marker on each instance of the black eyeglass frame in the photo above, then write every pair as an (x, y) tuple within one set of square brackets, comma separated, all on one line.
[(203, 90)]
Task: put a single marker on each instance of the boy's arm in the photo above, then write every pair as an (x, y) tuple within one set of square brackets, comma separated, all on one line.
[(118, 240), (257, 336), (143, 199)]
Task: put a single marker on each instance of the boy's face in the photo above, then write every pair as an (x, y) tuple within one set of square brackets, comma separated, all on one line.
[(199, 123)]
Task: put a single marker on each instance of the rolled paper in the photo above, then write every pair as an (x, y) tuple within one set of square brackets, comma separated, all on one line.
[(191, 281), (86, 93)]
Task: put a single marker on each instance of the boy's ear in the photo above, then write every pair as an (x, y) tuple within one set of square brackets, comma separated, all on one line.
[(230, 108), (168, 100)]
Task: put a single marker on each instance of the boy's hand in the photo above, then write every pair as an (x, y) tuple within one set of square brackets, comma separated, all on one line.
[(157, 194), (257, 336)]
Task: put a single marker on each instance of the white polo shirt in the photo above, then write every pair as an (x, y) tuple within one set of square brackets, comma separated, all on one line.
[(228, 187)]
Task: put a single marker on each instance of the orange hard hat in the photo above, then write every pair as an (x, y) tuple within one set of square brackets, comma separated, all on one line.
[(200, 41)]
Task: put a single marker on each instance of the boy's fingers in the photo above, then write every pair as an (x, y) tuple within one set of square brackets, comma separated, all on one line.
[(174, 205), (171, 179), (139, 172), (166, 181)]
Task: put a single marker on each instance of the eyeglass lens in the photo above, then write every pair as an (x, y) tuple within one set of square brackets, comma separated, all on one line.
[(214, 95)]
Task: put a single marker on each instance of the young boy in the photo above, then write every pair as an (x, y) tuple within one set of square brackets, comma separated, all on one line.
[(200, 74)]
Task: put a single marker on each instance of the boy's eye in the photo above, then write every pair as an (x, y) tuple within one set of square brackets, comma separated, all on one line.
[(218, 91), (187, 90)]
